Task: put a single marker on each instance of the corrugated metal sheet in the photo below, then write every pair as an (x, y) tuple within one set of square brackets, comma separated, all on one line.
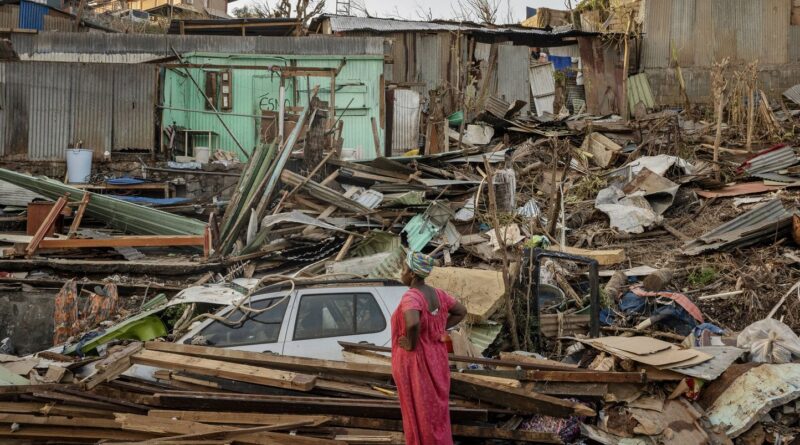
[(340, 23), (639, 91), (513, 64), (724, 22), (565, 51), (31, 15), (46, 106), (433, 54), (543, 87), (49, 130), (794, 44), (703, 32), (134, 106), (656, 43), (765, 221), (772, 162), (133, 48), (12, 195), (774, 31), (9, 16), (93, 107), (793, 94), (405, 124), (682, 30)]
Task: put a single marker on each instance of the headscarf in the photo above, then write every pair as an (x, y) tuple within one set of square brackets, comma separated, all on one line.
[(419, 263)]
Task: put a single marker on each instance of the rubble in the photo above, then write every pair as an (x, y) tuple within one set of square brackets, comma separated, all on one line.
[(628, 265)]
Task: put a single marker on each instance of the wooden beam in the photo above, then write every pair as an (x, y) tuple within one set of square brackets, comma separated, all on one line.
[(237, 418), (111, 367), (515, 398), (124, 241), (297, 364), (76, 221), (216, 368), (566, 376), (48, 222)]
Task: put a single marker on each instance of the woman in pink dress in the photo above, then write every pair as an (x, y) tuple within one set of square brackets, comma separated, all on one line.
[(420, 365)]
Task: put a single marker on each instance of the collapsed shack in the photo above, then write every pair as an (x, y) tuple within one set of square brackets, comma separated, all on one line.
[(634, 281)]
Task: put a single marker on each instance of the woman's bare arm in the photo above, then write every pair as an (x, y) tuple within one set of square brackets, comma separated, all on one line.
[(411, 318), (456, 314)]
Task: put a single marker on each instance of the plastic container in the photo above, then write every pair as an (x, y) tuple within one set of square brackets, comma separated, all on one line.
[(456, 119), (79, 165), (202, 154)]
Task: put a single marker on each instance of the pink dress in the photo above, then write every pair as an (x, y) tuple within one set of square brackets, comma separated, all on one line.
[(422, 376)]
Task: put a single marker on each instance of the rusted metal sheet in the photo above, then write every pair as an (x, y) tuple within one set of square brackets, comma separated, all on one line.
[(433, 53), (513, 77), (723, 22), (46, 106), (754, 394), (405, 128)]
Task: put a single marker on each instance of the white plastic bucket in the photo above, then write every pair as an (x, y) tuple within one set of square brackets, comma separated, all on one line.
[(202, 154), (79, 165)]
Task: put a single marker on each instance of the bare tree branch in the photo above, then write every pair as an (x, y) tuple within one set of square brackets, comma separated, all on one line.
[(484, 10), (304, 10)]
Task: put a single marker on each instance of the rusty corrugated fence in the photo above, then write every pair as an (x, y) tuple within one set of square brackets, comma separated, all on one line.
[(47, 106)]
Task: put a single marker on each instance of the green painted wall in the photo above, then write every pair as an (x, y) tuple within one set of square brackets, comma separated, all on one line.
[(257, 90)]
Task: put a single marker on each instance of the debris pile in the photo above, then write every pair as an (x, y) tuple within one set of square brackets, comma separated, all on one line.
[(635, 280)]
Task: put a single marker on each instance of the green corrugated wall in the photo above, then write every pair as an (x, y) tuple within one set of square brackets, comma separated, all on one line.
[(257, 90)]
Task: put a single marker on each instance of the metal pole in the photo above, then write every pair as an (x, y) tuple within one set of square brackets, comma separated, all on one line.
[(211, 104)]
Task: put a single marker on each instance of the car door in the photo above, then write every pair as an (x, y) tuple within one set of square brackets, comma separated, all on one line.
[(258, 327), (321, 318)]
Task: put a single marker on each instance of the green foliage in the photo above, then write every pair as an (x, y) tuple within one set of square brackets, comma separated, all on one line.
[(702, 277)]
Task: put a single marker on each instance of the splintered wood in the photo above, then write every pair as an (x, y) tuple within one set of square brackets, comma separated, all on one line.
[(202, 394)]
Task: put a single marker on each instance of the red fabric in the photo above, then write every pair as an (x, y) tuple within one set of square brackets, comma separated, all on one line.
[(422, 376), (679, 298)]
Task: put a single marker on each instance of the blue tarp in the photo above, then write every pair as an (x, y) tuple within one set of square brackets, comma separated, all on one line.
[(152, 201), (125, 181), (560, 63)]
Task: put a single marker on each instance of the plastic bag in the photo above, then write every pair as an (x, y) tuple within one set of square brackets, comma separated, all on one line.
[(769, 341)]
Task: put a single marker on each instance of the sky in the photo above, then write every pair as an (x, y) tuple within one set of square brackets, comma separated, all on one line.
[(510, 11)]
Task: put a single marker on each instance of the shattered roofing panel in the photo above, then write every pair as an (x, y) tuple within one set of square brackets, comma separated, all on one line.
[(771, 162), (754, 394), (764, 221)]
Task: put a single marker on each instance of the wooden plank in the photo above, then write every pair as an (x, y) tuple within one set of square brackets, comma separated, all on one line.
[(67, 433), (538, 364), (237, 418), (298, 364), (565, 376), (27, 419), (46, 225), (76, 221), (243, 433), (157, 425), (215, 368), (516, 398), (124, 241), (111, 367), (384, 409)]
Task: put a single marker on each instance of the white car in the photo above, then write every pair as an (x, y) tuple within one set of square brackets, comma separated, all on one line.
[(308, 321)]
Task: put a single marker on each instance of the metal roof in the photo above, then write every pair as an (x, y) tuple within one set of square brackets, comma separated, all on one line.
[(234, 27), (765, 221), (341, 23)]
